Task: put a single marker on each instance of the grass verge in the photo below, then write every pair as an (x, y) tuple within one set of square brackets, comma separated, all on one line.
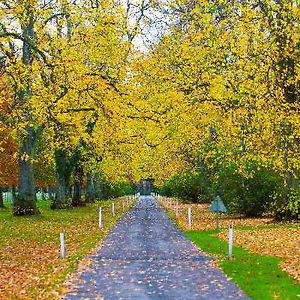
[(30, 266), (259, 276)]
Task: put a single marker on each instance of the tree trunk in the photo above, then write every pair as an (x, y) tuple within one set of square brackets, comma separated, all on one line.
[(51, 193), (25, 203), (1, 199), (62, 170), (14, 195), (90, 189), (98, 187), (78, 179)]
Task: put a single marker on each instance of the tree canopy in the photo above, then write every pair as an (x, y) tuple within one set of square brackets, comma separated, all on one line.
[(219, 86)]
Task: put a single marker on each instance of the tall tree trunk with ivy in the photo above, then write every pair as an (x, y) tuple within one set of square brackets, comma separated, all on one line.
[(78, 181), (25, 203), (90, 196), (63, 173), (98, 183), (286, 76)]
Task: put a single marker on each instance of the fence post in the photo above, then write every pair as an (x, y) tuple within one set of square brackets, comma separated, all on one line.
[(230, 240), (113, 208), (190, 217), (100, 217), (62, 245)]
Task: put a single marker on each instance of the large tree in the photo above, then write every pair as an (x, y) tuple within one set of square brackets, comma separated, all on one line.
[(64, 61)]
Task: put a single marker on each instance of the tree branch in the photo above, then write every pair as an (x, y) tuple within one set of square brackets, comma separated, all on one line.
[(21, 38)]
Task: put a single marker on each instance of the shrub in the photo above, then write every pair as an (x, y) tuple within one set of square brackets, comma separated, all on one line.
[(249, 195), (189, 185), (286, 207), (117, 189)]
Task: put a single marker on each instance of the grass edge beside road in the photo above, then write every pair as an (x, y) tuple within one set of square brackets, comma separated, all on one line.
[(34, 242), (259, 276)]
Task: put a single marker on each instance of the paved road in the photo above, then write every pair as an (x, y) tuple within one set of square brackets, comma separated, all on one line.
[(146, 257)]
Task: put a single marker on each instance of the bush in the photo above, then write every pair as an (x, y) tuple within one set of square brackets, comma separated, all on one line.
[(256, 191), (189, 185), (286, 207), (250, 195), (118, 189)]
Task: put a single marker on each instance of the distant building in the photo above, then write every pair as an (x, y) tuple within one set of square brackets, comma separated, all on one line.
[(145, 186)]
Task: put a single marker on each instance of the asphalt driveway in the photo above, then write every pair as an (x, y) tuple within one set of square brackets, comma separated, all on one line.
[(146, 257)]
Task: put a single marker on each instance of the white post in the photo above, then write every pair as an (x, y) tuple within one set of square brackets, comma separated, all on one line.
[(230, 240), (113, 209), (100, 217), (62, 245), (190, 217)]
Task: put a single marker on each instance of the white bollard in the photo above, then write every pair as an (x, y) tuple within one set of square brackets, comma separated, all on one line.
[(113, 209), (62, 245), (100, 217), (230, 240), (190, 217)]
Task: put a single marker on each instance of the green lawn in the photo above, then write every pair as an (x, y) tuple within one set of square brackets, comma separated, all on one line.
[(30, 266), (259, 276)]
